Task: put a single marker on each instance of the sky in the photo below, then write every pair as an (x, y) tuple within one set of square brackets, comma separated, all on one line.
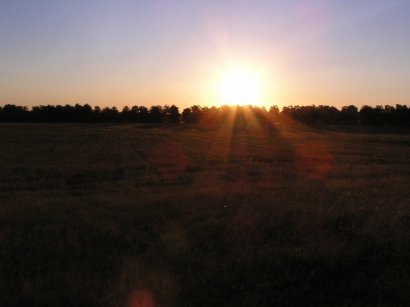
[(123, 52)]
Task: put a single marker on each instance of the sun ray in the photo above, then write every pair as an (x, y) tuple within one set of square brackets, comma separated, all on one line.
[(219, 149)]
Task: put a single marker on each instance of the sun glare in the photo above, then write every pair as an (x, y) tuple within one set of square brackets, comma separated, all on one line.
[(239, 87)]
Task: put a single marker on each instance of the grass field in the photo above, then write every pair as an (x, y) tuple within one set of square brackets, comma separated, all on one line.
[(116, 215)]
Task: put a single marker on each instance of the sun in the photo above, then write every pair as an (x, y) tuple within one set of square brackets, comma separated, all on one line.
[(239, 87)]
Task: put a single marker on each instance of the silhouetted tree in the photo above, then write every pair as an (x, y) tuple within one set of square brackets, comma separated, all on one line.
[(13, 113), (110, 115), (155, 114), (125, 114), (171, 114), (192, 114), (366, 114), (196, 113), (142, 114), (402, 115), (274, 113), (187, 115), (327, 115), (133, 114), (349, 115)]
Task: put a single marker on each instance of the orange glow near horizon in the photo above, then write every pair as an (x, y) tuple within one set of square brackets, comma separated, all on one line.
[(207, 53)]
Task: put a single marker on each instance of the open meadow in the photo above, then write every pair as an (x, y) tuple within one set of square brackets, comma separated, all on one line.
[(186, 215)]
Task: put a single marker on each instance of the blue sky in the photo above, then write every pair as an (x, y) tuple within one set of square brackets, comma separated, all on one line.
[(157, 52)]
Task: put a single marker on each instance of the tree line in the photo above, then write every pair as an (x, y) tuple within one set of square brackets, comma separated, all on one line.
[(310, 115), (350, 115)]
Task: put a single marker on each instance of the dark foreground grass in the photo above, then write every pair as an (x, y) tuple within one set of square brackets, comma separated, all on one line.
[(103, 215)]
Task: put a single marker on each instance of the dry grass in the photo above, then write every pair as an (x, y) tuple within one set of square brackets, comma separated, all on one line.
[(108, 215)]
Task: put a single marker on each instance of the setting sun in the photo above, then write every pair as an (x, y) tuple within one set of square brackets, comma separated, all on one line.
[(239, 87)]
